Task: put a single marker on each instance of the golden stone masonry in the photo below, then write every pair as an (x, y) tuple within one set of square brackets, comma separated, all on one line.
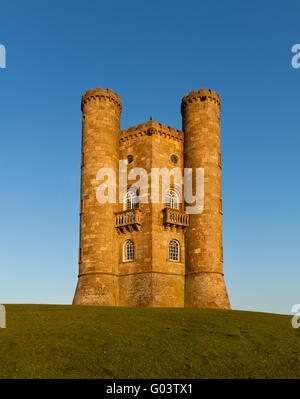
[(151, 254)]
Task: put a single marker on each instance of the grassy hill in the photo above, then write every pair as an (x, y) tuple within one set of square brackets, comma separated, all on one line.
[(48, 341)]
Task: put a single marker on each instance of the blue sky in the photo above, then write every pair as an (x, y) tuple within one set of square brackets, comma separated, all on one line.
[(151, 53)]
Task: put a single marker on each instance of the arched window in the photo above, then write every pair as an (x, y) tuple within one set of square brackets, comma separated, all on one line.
[(131, 200), (172, 200), (128, 251), (174, 251)]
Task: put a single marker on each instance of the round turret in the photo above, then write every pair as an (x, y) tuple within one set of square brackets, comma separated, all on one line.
[(100, 149), (205, 285)]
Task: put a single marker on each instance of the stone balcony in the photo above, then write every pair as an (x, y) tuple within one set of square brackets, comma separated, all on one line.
[(175, 218), (128, 220)]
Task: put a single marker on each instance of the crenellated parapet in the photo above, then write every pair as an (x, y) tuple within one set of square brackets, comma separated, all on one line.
[(200, 95), (100, 94), (151, 128)]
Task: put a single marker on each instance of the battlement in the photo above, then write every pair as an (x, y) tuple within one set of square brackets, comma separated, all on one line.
[(200, 95), (100, 93), (150, 128)]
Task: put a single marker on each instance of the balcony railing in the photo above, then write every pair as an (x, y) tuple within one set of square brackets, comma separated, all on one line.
[(128, 220), (175, 218)]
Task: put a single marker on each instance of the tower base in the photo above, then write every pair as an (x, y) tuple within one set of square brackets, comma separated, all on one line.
[(96, 289), (206, 290)]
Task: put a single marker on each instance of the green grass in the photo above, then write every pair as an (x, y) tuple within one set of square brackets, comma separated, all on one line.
[(48, 341)]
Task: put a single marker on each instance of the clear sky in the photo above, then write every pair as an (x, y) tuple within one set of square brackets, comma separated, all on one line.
[(151, 53)]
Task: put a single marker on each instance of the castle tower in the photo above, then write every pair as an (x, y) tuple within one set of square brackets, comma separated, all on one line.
[(98, 267), (150, 253), (205, 286)]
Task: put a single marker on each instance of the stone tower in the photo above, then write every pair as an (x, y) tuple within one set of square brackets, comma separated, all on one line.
[(205, 286), (150, 254), (98, 266)]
